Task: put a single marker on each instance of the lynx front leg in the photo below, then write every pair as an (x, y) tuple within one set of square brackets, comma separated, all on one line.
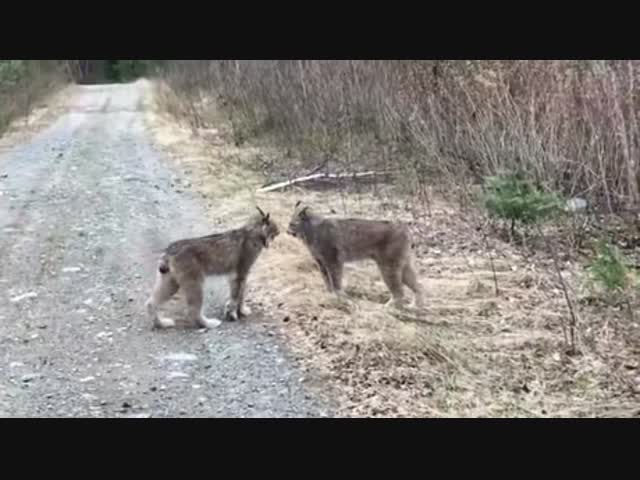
[(234, 306), (335, 272), (243, 310), (326, 277)]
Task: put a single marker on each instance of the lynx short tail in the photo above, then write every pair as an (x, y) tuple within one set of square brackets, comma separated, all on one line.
[(163, 266)]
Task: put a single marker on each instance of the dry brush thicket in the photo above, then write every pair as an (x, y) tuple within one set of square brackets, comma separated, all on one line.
[(24, 83), (570, 125)]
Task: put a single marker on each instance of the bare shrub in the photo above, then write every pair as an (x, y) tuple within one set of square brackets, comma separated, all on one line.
[(24, 82), (569, 124)]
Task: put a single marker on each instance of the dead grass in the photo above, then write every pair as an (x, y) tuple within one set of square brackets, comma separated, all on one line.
[(48, 109), (470, 354)]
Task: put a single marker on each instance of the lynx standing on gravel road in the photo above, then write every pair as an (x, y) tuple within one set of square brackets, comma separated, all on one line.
[(333, 242), (185, 264)]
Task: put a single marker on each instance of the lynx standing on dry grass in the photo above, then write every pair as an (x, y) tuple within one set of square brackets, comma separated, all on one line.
[(185, 264), (333, 242)]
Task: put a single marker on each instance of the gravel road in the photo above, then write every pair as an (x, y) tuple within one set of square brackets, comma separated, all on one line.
[(85, 207)]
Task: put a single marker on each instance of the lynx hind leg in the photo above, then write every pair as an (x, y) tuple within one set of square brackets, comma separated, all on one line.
[(194, 295), (165, 287), (392, 276), (410, 279)]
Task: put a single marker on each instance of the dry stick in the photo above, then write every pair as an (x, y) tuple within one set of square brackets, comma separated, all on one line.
[(630, 310), (425, 197), (302, 80), (574, 320), (493, 267), (486, 242)]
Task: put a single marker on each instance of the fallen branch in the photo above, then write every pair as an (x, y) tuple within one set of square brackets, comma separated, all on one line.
[(319, 176)]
